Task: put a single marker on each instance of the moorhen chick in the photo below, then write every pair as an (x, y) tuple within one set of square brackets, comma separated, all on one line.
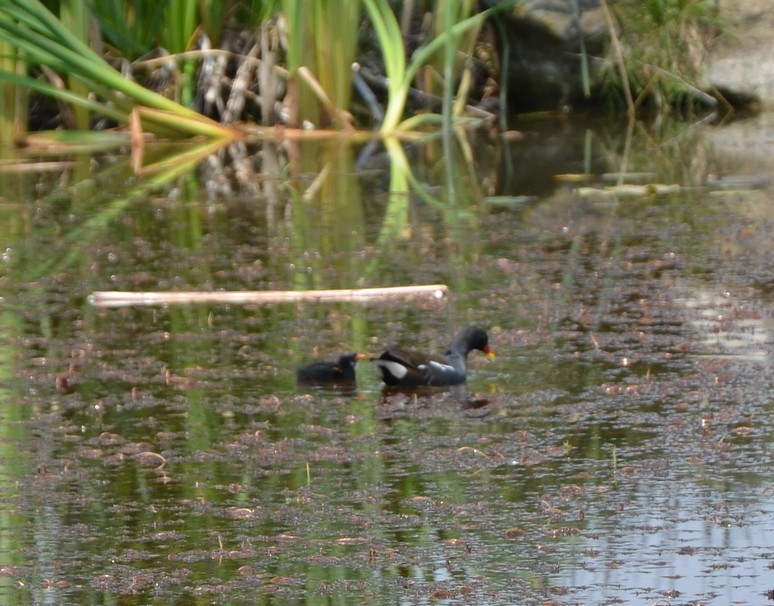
[(320, 373), (402, 368)]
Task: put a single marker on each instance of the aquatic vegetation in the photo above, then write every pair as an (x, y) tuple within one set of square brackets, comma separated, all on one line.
[(43, 41), (56, 57), (657, 50), (179, 68)]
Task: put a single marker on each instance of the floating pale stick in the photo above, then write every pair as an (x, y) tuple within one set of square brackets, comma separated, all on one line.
[(126, 299)]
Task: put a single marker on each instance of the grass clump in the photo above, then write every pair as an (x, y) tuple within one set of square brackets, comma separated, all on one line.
[(657, 51)]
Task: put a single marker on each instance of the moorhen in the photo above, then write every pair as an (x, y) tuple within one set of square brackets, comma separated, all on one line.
[(340, 371), (412, 369)]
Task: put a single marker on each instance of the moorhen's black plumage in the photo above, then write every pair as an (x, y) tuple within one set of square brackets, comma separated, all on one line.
[(402, 368), (340, 371)]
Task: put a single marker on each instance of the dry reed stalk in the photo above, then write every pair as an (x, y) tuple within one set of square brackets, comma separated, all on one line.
[(126, 299)]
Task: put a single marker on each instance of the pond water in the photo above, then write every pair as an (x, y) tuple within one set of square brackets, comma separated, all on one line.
[(617, 451)]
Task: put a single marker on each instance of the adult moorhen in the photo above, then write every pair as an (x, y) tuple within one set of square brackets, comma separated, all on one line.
[(340, 371), (402, 368)]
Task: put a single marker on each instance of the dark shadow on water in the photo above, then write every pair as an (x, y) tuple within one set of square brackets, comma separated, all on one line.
[(339, 388), (401, 402)]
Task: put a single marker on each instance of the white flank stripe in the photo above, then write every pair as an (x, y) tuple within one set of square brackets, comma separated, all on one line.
[(396, 370)]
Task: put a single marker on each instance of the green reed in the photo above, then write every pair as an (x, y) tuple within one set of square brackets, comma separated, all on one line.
[(13, 111), (130, 27), (74, 15), (658, 51), (322, 45), (400, 72), (28, 27)]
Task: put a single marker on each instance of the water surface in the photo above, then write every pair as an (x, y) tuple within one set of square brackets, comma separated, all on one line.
[(616, 452)]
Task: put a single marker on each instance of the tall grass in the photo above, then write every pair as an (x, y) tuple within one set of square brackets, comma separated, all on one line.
[(322, 45), (28, 27), (74, 15), (658, 51), (13, 109), (182, 20), (400, 72), (132, 28)]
